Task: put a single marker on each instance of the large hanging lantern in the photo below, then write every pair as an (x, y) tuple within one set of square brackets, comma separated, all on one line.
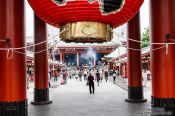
[(86, 20)]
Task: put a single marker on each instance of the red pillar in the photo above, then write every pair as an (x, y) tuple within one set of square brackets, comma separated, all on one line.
[(162, 63), (13, 70), (41, 91), (135, 89), (61, 57), (125, 75)]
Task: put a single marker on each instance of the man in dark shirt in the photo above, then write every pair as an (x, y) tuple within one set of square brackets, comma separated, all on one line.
[(91, 83), (106, 75), (98, 77)]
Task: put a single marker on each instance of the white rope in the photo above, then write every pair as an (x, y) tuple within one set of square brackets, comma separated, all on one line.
[(46, 48), (166, 49), (9, 54), (25, 47), (19, 52), (38, 51), (142, 41), (139, 49), (1, 40)]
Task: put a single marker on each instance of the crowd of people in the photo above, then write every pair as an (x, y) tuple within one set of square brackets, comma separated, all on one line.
[(88, 75)]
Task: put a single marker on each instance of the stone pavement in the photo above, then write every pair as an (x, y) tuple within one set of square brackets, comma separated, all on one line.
[(123, 83), (73, 99)]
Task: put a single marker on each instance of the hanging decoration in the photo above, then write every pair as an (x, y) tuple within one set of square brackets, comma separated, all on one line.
[(86, 20)]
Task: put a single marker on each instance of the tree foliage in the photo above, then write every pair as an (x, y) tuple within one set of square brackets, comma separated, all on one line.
[(145, 38)]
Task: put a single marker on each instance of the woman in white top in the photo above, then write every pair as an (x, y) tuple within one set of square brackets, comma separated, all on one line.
[(144, 75)]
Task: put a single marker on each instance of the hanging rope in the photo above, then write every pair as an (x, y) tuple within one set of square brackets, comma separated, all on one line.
[(9, 54), (38, 51), (142, 41), (25, 47), (139, 49)]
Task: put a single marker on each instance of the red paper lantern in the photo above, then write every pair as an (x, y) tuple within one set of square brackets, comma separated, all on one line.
[(86, 20), (83, 10)]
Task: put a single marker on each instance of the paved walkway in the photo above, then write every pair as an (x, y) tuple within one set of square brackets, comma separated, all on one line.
[(73, 99), (123, 83)]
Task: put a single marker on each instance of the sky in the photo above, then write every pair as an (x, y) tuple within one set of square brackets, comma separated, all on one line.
[(144, 15), (29, 19)]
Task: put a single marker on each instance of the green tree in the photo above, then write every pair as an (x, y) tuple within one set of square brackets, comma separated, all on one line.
[(145, 38)]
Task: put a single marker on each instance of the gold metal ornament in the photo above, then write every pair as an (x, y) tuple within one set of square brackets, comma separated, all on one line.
[(86, 32)]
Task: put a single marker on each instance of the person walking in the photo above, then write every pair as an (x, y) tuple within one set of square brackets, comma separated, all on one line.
[(76, 75), (80, 75), (49, 78), (117, 73), (144, 75), (114, 76), (148, 75), (101, 74), (64, 76), (28, 81), (70, 73), (91, 83), (55, 75), (98, 77), (85, 75), (106, 75), (110, 72)]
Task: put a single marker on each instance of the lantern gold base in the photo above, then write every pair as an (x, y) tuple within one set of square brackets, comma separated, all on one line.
[(86, 32)]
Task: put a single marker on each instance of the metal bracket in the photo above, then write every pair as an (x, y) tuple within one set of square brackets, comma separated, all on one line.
[(5, 41), (169, 37), (8, 42)]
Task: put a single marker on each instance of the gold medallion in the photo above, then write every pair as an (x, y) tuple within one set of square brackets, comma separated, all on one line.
[(88, 28)]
